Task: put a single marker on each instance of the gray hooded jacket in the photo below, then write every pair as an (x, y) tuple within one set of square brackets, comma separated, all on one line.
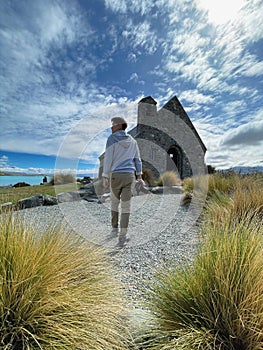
[(121, 155)]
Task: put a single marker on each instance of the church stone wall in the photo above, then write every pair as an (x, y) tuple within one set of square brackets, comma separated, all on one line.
[(166, 128)]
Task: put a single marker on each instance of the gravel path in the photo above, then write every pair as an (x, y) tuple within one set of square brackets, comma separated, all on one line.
[(160, 231)]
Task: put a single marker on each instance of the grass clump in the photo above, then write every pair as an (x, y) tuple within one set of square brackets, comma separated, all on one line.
[(148, 176), (57, 292), (217, 301), (168, 178), (62, 179)]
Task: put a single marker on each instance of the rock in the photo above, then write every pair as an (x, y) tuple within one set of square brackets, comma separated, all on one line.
[(68, 196), (30, 202), (104, 197), (49, 200), (167, 190), (89, 198), (86, 180), (6, 206), (87, 189)]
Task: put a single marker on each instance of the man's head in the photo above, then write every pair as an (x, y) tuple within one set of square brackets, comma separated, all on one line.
[(118, 123)]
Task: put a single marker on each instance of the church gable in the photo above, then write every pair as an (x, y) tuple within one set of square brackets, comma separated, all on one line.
[(174, 106)]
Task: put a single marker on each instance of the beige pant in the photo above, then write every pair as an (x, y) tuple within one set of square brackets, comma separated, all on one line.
[(121, 193)]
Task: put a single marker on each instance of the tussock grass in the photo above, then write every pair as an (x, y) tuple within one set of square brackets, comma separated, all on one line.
[(61, 178), (148, 177), (168, 178), (56, 292), (195, 190), (245, 203), (216, 302), (224, 183)]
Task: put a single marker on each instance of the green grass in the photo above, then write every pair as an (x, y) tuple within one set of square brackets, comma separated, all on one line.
[(15, 194), (56, 292)]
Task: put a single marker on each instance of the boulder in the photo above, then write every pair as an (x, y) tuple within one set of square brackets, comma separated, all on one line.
[(87, 189), (6, 207), (90, 198), (30, 202), (86, 180), (36, 201), (68, 196), (49, 200)]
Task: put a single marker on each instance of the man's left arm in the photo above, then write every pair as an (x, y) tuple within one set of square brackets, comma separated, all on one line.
[(138, 165)]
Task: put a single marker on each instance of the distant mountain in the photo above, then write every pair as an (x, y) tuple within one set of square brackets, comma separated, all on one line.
[(7, 173), (246, 169)]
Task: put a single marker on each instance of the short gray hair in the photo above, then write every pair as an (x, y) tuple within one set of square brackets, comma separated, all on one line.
[(118, 121)]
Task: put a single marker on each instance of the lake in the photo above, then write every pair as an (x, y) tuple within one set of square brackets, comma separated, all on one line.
[(31, 180)]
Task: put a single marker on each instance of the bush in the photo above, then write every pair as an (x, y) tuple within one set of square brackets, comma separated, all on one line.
[(62, 179), (168, 178), (148, 177), (57, 292), (217, 301)]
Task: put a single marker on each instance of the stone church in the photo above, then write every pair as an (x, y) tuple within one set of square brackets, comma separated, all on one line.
[(167, 139)]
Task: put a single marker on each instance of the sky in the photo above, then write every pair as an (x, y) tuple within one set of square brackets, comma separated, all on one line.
[(68, 66)]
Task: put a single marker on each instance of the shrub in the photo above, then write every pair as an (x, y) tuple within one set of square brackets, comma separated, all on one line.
[(20, 184), (168, 178), (62, 179), (217, 301), (188, 185), (148, 176), (57, 291)]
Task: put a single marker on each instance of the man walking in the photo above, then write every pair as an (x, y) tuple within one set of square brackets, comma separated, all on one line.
[(122, 163)]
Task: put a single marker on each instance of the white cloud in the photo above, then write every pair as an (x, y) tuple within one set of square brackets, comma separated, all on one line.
[(245, 135), (132, 57), (3, 161), (221, 11), (116, 5), (251, 69), (194, 96), (141, 7), (135, 78), (140, 36), (250, 22)]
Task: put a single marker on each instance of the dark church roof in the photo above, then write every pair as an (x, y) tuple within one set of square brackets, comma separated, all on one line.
[(149, 100)]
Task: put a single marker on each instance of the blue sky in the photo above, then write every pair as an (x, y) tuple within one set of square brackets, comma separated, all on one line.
[(67, 67)]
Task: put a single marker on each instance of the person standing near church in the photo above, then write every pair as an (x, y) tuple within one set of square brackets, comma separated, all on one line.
[(122, 164)]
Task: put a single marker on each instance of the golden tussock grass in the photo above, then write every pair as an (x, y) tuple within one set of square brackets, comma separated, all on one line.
[(57, 291)]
